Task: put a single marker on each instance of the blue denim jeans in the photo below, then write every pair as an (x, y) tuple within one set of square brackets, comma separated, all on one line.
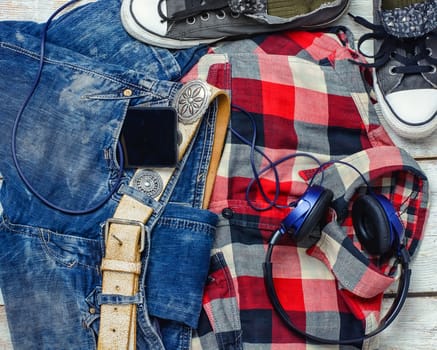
[(66, 145)]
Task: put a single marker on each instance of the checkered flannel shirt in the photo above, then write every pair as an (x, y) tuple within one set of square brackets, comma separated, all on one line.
[(305, 95)]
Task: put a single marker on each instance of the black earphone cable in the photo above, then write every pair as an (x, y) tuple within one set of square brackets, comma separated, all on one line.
[(272, 165), (17, 121), (323, 166), (253, 148)]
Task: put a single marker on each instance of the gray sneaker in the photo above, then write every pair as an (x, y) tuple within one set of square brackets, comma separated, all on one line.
[(405, 66), (157, 23)]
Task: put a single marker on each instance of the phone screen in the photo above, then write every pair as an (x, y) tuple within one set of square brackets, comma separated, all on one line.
[(149, 137)]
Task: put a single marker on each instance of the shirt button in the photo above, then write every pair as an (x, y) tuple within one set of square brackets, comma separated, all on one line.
[(227, 213), (127, 92)]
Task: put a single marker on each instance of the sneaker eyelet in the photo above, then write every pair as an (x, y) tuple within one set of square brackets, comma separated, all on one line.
[(204, 16), (191, 20), (392, 71), (433, 70), (429, 51), (235, 14), (221, 14)]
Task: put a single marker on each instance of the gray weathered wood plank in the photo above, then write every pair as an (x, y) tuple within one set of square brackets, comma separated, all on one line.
[(417, 324)]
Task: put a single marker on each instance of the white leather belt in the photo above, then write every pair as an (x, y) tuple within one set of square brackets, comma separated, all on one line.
[(125, 233)]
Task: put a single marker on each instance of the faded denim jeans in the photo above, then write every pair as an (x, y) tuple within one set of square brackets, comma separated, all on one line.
[(66, 145)]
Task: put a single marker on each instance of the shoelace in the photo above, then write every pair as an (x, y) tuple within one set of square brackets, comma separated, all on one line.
[(204, 5), (415, 50)]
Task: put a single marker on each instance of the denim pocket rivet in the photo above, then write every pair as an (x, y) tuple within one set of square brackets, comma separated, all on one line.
[(92, 311), (148, 182), (127, 92)]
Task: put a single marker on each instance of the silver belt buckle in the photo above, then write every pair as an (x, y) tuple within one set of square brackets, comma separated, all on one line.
[(127, 223)]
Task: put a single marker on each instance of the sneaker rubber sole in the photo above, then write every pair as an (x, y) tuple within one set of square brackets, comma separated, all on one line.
[(132, 24), (404, 128), (147, 26)]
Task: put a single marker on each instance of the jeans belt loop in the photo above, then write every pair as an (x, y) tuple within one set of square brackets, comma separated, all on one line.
[(125, 235)]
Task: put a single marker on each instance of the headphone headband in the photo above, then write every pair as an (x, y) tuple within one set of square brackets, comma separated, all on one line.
[(308, 212), (392, 313)]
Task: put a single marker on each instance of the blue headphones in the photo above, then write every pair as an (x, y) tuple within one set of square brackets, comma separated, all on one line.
[(376, 223), (378, 229)]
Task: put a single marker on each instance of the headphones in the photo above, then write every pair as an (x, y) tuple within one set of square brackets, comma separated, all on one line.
[(376, 223), (378, 229)]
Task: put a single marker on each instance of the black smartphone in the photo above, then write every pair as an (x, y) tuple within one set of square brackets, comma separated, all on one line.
[(149, 137)]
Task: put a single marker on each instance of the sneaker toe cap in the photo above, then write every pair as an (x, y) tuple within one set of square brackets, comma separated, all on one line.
[(145, 14), (413, 107)]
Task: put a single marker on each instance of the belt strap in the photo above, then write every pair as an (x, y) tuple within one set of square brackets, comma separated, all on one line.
[(125, 232)]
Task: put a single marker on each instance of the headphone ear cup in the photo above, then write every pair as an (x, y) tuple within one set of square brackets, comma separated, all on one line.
[(314, 216), (371, 224)]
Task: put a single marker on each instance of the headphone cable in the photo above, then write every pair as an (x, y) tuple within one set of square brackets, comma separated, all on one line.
[(17, 121)]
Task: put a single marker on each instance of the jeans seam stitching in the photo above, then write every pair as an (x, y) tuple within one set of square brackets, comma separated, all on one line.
[(33, 55)]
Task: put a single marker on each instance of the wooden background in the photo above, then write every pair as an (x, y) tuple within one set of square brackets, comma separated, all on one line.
[(416, 326)]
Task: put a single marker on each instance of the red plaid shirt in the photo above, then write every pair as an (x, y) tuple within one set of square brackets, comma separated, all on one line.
[(305, 95)]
